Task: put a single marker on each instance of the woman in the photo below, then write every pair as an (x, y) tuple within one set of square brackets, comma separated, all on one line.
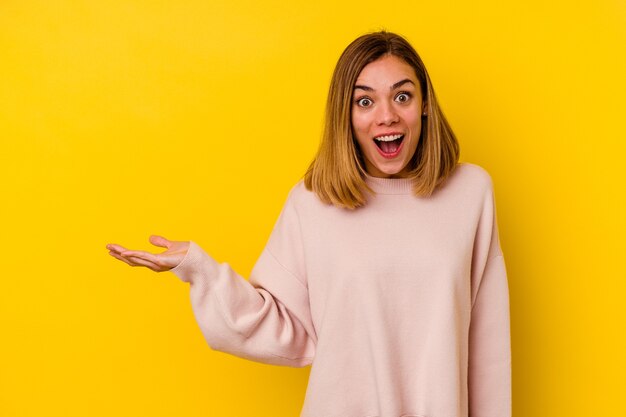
[(384, 269)]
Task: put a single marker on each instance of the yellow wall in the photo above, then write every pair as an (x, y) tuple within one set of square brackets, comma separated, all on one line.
[(193, 119)]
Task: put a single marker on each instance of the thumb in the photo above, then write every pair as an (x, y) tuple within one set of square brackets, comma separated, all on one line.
[(157, 240)]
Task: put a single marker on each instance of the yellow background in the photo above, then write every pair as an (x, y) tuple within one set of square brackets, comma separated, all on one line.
[(193, 119)]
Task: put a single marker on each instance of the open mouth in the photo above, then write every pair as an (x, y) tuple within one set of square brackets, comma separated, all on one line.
[(390, 144)]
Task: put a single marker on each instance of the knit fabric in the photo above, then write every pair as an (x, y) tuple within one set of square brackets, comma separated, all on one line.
[(401, 307)]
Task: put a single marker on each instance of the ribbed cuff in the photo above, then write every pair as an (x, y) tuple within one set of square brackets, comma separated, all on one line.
[(196, 265)]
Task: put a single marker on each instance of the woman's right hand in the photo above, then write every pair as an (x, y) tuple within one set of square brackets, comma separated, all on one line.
[(157, 262)]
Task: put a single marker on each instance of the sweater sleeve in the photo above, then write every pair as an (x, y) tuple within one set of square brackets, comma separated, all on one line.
[(266, 319), (489, 338)]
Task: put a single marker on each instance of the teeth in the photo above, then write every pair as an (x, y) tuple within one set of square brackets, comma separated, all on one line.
[(388, 138)]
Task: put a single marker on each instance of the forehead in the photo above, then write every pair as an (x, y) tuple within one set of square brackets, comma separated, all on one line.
[(386, 71)]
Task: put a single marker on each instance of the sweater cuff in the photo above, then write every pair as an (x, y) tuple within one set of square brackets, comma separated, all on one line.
[(196, 265)]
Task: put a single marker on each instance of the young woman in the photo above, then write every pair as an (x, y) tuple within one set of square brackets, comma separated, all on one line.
[(384, 269)]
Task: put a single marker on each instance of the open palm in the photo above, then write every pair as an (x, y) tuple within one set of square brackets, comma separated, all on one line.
[(158, 262)]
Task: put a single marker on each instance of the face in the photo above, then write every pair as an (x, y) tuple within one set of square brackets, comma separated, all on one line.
[(386, 116)]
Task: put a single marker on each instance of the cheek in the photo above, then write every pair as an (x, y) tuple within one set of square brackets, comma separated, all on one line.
[(361, 118), (357, 124), (360, 128), (413, 121)]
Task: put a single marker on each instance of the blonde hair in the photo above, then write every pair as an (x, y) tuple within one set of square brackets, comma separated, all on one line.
[(337, 173)]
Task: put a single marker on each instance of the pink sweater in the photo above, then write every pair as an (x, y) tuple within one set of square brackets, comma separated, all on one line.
[(401, 307)]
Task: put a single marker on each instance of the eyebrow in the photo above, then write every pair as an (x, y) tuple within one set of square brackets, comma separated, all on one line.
[(393, 87)]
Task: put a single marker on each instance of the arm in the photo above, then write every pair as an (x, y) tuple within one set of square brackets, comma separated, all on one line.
[(265, 319), (489, 337)]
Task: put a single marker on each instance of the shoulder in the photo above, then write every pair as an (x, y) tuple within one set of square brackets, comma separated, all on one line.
[(467, 182), (472, 175), (300, 196), (298, 190), (474, 172), (305, 204)]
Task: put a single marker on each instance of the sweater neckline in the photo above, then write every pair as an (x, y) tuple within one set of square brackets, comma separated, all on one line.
[(389, 185)]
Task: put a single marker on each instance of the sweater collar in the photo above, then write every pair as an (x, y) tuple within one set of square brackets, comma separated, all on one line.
[(389, 185)]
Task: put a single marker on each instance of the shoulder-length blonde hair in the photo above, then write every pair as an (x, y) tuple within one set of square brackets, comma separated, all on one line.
[(337, 174)]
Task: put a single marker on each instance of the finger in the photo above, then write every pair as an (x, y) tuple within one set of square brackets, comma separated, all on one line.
[(116, 248), (138, 262), (142, 262), (121, 258), (160, 241), (147, 256)]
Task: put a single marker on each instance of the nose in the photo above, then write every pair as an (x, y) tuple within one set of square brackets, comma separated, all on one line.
[(386, 114)]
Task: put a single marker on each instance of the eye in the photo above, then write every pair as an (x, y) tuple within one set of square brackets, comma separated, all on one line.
[(364, 102), (403, 97)]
